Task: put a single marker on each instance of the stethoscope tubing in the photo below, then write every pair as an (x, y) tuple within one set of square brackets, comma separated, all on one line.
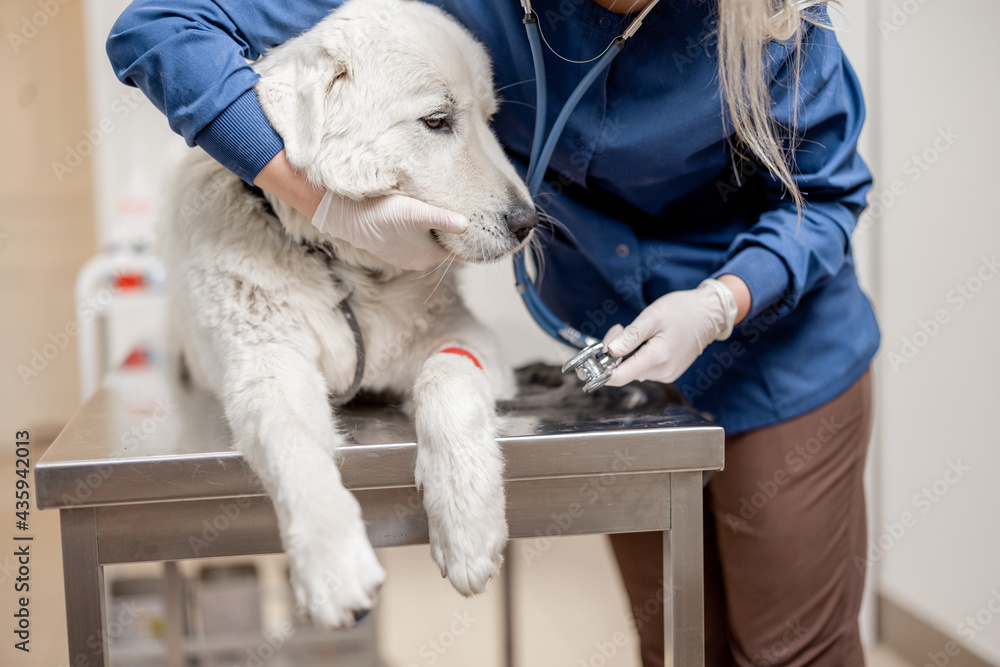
[(542, 149)]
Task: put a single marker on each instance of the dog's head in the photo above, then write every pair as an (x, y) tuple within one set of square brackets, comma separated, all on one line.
[(394, 96)]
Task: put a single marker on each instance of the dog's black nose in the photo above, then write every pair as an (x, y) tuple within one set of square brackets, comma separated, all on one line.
[(521, 219)]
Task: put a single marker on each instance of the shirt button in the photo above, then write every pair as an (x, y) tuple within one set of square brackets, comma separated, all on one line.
[(605, 22), (622, 251)]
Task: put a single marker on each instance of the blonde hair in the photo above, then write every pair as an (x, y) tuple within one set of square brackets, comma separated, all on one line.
[(745, 27)]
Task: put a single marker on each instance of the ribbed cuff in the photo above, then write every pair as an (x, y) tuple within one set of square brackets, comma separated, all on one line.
[(765, 274), (241, 138)]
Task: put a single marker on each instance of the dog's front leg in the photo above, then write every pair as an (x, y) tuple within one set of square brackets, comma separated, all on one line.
[(459, 469), (276, 402)]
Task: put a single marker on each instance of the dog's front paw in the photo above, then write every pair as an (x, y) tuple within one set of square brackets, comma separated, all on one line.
[(459, 468), (466, 518), (335, 574)]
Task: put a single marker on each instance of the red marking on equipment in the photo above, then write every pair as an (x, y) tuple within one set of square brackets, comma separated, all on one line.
[(126, 281), (134, 205), (137, 358), (462, 352)]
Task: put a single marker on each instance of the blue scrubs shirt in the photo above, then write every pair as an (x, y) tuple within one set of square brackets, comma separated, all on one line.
[(649, 192)]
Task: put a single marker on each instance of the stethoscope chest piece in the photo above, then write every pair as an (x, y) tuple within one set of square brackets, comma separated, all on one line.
[(593, 365)]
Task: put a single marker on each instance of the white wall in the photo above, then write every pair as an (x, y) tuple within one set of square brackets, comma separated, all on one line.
[(939, 72), (133, 147)]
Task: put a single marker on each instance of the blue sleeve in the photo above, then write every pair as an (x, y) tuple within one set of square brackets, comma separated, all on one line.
[(190, 59), (782, 257)]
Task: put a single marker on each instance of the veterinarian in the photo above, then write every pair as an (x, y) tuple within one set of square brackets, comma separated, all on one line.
[(721, 145)]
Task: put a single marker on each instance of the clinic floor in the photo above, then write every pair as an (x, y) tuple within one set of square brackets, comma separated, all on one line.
[(570, 608)]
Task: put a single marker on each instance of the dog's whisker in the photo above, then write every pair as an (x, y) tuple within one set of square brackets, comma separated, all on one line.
[(535, 247), (511, 85), (451, 261), (502, 102), (553, 222), (430, 271)]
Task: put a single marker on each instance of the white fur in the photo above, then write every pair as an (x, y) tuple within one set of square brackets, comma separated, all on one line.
[(257, 317)]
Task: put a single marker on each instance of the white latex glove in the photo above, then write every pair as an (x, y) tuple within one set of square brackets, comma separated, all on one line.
[(393, 227), (676, 329)]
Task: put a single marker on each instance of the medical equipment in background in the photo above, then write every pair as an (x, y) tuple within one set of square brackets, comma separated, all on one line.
[(593, 363), (120, 296), (121, 314)]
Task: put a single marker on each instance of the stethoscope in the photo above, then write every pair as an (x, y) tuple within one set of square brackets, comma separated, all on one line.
[(592, 363)]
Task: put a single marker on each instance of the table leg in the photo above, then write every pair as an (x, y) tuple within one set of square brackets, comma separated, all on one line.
[(83, 575), (173, 595), (507, 578), (683, 576)]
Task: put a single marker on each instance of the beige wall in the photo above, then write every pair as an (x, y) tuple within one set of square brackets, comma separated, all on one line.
[(46, 224), (46, 233)]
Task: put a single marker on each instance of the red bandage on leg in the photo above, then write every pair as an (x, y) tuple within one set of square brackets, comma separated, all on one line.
[(462, 352)]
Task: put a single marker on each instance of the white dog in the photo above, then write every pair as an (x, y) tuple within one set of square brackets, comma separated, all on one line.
[(382, 97)]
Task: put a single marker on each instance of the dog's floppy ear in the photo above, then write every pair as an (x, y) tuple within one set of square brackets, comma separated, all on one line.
[(296, 82), (305, 92)]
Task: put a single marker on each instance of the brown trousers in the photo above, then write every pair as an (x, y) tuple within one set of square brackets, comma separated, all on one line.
[(785, 537)]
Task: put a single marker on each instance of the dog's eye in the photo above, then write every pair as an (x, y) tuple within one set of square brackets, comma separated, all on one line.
[(439, 123)]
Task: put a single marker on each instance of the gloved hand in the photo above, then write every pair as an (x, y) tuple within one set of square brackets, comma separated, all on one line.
[(676, 329), (393, 227)]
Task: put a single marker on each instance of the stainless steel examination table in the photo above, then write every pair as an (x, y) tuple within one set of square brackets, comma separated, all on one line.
[(145, 462)]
